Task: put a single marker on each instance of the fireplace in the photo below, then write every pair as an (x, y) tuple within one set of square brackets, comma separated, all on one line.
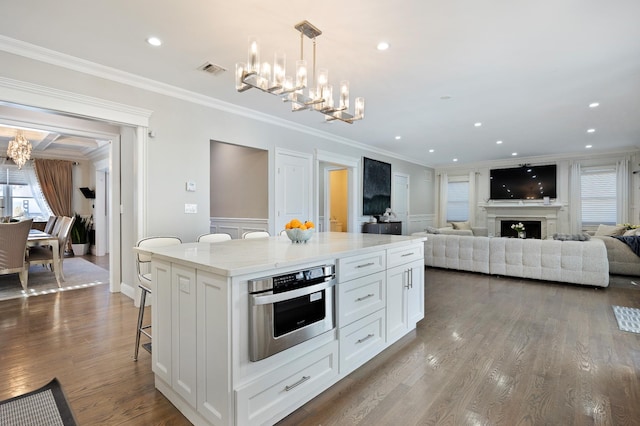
[(545, 214), (533, 228)]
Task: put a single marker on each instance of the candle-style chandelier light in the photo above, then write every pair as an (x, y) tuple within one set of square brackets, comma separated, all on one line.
[(19, 149), (275, 81)]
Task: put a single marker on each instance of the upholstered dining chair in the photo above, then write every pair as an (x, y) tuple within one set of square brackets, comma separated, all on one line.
[(255, 234), (143, 269), (41, 255), (13, 247), (213, 237), (50, 224)]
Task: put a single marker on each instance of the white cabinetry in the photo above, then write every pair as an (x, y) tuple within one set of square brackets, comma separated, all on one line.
[(405, 291)]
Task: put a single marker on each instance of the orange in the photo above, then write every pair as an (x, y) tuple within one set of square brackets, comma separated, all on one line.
[(295, 223), (309, 224)]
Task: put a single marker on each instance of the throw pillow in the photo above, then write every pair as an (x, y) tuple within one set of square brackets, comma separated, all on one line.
[(632, 233), (461, 225), (610, 230), (431, 230)]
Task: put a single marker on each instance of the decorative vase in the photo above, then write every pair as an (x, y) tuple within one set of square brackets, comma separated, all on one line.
[(522, 234)]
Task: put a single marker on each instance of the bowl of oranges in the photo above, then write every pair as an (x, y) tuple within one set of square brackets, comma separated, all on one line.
[(298, 231)]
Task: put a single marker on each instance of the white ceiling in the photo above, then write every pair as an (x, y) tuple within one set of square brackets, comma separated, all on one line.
[(526, 70)]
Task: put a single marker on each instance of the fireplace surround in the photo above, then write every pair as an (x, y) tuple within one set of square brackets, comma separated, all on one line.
[(546, 214)]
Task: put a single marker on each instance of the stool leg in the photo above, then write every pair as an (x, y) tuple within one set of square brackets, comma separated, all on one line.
[(143, 299)]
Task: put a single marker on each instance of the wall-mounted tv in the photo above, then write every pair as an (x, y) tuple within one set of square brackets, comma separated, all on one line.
[(523, 183)]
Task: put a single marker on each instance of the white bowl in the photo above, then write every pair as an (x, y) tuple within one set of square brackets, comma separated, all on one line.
[(299, 235)]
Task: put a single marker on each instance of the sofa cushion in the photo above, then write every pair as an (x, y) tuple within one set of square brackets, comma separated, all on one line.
[(572, 237), (431, 230), (632, 232), (610, 230)]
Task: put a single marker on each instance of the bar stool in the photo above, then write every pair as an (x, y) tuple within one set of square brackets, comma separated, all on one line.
[(143, 267)]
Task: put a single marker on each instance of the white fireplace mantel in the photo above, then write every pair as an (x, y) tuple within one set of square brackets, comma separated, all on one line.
[(547, 214)]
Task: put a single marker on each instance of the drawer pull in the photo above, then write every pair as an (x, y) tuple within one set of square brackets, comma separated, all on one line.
[(298, 383), (364, 339), (408, 254), (365, 265), (360, 299)]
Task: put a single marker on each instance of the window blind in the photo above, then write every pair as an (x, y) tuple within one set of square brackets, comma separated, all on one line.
[(457, 201), (598, 195)]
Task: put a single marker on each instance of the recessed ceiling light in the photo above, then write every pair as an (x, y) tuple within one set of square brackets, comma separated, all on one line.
[(588, 146), (594, 104), (498, 142), (455, 159), (154, 41), (383, 45), (478, 124), (431, 150), (591, 130), (514, 153), (398, 137), (445, 97)]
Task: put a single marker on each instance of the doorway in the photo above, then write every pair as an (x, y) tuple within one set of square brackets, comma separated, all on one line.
[(338, 197), (346, 192)]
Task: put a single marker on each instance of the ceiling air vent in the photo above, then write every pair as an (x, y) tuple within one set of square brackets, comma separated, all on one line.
[(213, 69)]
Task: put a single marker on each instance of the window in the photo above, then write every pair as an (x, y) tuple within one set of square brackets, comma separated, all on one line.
[(598, 196), (20, 193), (457, 201)]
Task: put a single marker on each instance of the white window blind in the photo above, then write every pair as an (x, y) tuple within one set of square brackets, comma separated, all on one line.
[(457, 201), (598, 195)]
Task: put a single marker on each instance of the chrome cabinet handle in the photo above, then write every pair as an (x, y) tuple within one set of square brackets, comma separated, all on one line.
[(407, 254), (360, 299), (411, 277), (298, 383), (369, 336), (365, 265), (407, 285)]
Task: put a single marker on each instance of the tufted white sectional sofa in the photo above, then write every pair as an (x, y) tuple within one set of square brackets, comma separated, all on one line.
[(576, 262)]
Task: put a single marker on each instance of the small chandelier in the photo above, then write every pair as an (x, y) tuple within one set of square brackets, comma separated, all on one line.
[(254, 75), (19, 150)]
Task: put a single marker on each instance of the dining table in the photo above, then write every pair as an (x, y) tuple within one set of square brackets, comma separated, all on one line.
[(41, 238)]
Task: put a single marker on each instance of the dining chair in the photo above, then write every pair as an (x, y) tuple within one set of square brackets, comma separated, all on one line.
[(213, 237), (41, 255), (50, 224), (143, 269), (13, 247), (255, 234)]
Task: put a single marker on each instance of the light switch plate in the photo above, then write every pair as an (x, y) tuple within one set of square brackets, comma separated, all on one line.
[(191, 208), (191, 186)]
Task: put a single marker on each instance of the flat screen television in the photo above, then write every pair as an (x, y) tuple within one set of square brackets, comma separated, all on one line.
[(523, 183)]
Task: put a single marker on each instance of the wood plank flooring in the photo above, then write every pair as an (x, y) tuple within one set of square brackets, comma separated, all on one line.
[(490, 351)]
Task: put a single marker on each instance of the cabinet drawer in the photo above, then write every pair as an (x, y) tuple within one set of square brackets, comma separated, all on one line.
[(283, 390), (402, 255), (352, 267), (360, 297), (362, 340)]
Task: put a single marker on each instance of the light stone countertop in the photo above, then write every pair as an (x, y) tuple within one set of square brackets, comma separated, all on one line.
[(239, 257)]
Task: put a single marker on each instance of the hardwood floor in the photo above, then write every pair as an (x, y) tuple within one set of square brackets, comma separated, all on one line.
[(490, 351)]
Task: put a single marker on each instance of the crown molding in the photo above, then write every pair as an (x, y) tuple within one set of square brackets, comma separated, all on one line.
[(31, 51)]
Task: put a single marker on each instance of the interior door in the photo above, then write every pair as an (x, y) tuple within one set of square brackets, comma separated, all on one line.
[(293, 188), (400, 199)]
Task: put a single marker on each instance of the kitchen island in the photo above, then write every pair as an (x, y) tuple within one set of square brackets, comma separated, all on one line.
[(204, 319)]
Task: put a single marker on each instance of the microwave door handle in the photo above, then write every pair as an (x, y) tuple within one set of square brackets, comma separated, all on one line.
[(266, 299)]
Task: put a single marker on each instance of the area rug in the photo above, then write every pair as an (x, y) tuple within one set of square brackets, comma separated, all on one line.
[(78, 273), (44, 406), (628, 318)]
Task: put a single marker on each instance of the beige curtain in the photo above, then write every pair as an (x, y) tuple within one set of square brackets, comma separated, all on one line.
[(55, 178)]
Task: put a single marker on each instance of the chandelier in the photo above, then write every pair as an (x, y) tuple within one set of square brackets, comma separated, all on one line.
[(19, 150), (273, 80)]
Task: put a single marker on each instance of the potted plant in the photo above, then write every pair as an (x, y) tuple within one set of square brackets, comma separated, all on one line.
[(80, 235)]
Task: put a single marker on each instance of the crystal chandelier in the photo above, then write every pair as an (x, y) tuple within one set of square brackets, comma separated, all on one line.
[(19, 150), (273, 80)]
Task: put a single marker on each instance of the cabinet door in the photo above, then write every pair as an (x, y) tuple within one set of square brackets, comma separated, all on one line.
[(405, 299), (415, 297), (183, 313), (161, 323)]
